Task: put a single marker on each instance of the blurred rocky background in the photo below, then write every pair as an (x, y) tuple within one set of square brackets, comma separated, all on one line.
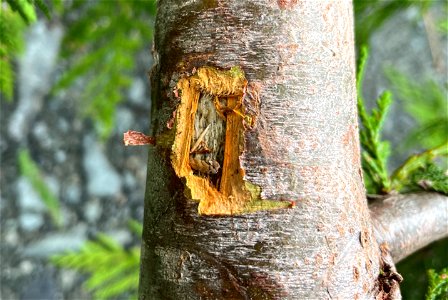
[(81, 81)]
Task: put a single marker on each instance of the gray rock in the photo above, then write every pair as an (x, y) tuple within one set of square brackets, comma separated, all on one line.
[(31, 204), (42, 284), (26, 267), (8, 293), (11, 235), (35, 68), (129, 180), (124, 120), (53, 184), (68, 279), (72, 193), (121, 236), (63, 125), (3, 204), (93, 210), (31, 221), (67, 217), (103, 179), (55, 243), (137, 91), (60, 156), (3, 144), (42, 135), (29, 200)]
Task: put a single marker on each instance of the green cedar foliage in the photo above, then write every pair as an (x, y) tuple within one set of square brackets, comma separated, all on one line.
[(429, 177), (442, 25), (423, 172), (25, 9), (438, 285), (426, 101), (418, 171), (102, 43), (31, 171), (12, 27), (371, 14), (414, 269), (375, 151), (136, 227), (112, 269), (15, 15)]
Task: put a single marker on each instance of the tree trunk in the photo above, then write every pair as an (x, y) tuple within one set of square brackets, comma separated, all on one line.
[(286, 216)]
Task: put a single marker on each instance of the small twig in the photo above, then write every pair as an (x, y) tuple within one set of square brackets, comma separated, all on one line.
[(136, 138), (409, 222), (201, 137)]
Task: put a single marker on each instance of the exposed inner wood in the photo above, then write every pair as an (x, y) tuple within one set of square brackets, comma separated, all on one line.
[(232, 183), (208, 139), (215, 84), (207, 96)]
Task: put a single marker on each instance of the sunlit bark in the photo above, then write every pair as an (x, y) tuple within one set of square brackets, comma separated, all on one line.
[(298, 57)]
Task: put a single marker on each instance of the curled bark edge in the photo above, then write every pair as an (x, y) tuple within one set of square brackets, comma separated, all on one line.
[(408, 222)]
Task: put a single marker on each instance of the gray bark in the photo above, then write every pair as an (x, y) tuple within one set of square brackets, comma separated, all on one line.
[(407, 223), (303, 148)]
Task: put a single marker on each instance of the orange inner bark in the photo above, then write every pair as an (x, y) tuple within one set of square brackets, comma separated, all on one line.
[(232, 196)]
